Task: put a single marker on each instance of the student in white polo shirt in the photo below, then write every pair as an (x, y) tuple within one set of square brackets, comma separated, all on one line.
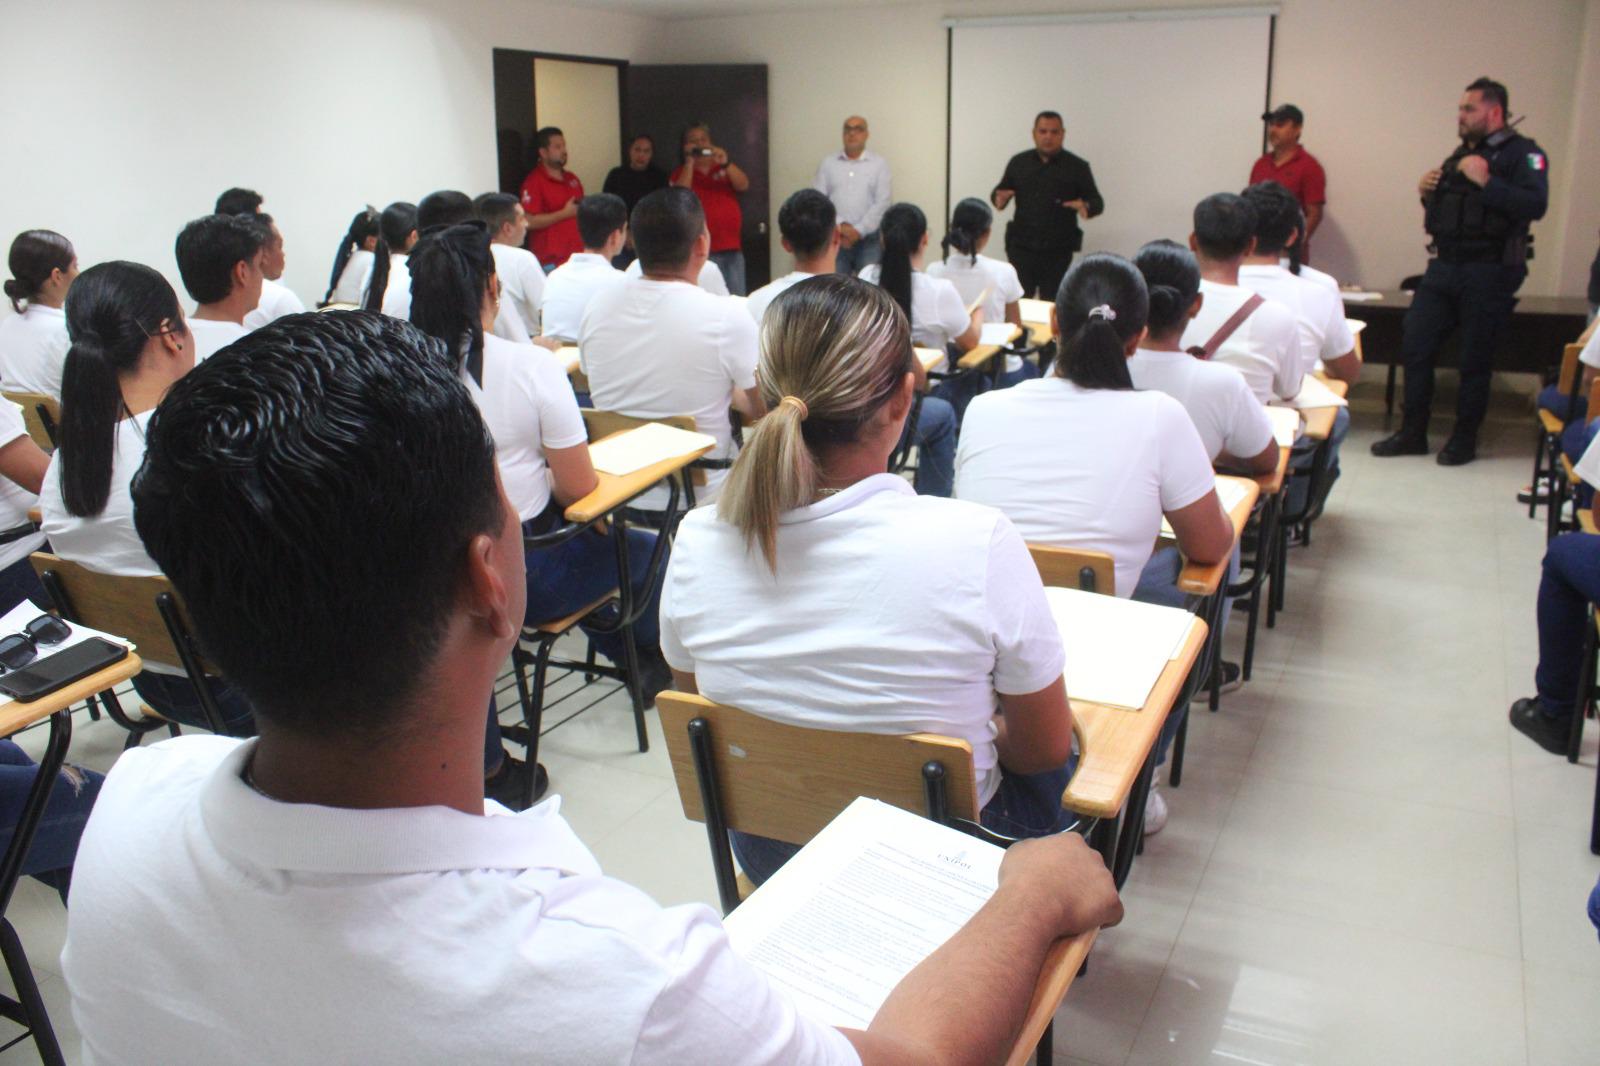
[(659, 345), (819, 573), (447, 207), (353, 262), (342, 872), (708, 278), (1234, 326), (219, 259), (521, 276), (603, 228), (33, 342), (991, 283), (390, 279), (277, 299)]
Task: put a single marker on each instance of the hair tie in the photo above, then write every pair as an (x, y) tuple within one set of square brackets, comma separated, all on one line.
[(798, 404), (1105, 311)]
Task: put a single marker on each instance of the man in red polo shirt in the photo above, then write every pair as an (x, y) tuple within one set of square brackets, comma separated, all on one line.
[(550, 200), (1291, 166), (718, 183)]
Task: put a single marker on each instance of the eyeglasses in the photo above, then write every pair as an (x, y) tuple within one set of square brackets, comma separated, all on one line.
[(851, 127), (20, 649)]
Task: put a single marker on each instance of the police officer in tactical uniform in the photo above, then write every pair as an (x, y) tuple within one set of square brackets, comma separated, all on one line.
[(1478, 207)]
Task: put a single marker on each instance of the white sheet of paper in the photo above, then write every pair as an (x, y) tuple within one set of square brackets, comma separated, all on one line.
[(1286, 424), (1116, 648), (1360, 297), (1356, 325), (871, 896), (1313, 393), (1230, 491), (26, 611), (1035, 310), (568, 354), (996, 333), (982, 296), (930, 358), (644, 445)]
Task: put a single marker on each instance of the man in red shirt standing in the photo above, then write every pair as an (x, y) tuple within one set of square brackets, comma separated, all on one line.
[(717, 183), (550, 200), (1291, 166)]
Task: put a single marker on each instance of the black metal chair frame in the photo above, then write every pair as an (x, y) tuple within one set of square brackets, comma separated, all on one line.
[(1259, 569)]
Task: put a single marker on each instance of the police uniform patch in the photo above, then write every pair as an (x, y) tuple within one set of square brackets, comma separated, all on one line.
[(1536, 160)]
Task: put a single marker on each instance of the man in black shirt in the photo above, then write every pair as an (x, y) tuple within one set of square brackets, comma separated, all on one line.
[(1053, 189)]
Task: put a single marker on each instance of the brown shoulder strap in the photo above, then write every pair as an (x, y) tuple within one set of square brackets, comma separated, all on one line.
[(1225, 331)]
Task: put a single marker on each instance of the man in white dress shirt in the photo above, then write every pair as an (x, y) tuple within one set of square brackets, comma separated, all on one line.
[(338, 890), (603, 226), (219, 259), (857, 181)]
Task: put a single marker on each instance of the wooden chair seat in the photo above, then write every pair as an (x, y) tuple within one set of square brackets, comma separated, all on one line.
[(1074, 568), (41, 415), (557, 626), (1550, 422)]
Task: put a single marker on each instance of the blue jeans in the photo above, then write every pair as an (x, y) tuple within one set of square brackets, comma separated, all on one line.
[(1570, 582), (174, 697), (731, 263), (1567, 408), (863, 253), (1026, 372), (935, 437), (1025, 805), (18, 582), (1594, 906), (55, 842), (575, 573), (1300, 459), (1575, 440)]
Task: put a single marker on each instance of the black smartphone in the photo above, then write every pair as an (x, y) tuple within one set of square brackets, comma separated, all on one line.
[(44, 676)]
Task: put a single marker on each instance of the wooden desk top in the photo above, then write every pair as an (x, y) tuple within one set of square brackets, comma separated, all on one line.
[(1394, 300), (1319, 420), (929, 357), (15, 716), (1272, 484), (615, 490), (1061, 966), (1116, 741), (1202, 579), (981, 355)]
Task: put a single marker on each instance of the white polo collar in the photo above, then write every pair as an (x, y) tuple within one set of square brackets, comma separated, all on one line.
[(853, 496), (43, 309), (865, 155)]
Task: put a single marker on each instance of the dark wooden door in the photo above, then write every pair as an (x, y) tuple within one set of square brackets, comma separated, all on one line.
[(732, 100)]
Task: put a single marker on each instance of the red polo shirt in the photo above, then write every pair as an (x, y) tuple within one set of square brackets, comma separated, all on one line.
[(724, 218), (542, 194), (1301, 174)]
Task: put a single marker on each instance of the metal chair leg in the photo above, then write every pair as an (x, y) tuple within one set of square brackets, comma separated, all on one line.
[(1539, 446), (29, 1002), (1175, 771)]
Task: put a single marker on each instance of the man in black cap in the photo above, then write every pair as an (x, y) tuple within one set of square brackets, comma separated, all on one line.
[(1053, 189), (1478, 206), (1291, 166)]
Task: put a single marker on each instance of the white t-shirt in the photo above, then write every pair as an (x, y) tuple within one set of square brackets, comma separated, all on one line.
[(527, 402), (762, 298), (210, 922), (1319, 314), (1313, 274), (569, 288), (521, 284), (710, 279), (890, 613), (107, 542), (397, 302), (654, 349), (938, 316), (211, 336), (971, 279), (1083, 468), (276, 301), (1265, 348), (1226, 415), (15, 501), (1589, 355), (33, 350), (353, 279), (1588, 465)]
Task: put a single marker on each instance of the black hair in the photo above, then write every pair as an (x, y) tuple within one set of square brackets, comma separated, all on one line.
[(365, 225), (1049, 114), (112, 310), (807, 221), (643, 137), (1277, 216), (971, 219), (35, 253), (1297, 251), (1224, 225), (543, 135), (901, 231), (1172, 280), (238, 201), (665, 224), (450, 272), (311, 493), (496, 209), (210, 247), (447, 207), (395, 226), (1102, 305), (1493, 92), (599, 216)]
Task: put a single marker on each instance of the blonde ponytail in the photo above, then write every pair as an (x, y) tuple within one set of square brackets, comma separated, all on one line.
[(833, 350)]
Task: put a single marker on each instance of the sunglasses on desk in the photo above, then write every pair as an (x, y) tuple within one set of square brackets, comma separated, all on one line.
[(20, 649)]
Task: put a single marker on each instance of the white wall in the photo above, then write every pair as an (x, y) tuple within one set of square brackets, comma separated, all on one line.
[(124, 120), (1378, 81)]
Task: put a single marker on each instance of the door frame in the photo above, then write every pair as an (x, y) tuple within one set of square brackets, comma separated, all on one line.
[(513, 67)]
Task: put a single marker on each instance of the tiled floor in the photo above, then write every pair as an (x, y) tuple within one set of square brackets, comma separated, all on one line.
[(1364, 864)]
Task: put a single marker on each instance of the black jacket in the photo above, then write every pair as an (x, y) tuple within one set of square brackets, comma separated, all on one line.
[(1041, 187), (1491, 222)]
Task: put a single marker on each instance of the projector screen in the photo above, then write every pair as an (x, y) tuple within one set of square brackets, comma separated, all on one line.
[(1164, 106)]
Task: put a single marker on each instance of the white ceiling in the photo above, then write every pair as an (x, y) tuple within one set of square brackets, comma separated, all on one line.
[(686, 9)]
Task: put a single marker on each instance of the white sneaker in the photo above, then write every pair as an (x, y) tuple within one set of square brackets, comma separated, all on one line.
[(1155, 812)]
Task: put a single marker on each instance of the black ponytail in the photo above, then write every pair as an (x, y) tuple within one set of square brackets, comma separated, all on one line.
[(395, 226), (34, 255), (112, 310), (450, 272), (364, 225), (1172, 277), (902, 230), (1102, 305), (968, 223), (1297, 249)]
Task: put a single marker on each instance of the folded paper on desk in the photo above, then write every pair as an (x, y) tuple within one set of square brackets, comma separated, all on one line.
[(568, 354), (871, 896), (1356, 325), (1116, 648), (996, 333), (1230, 490), (929, 357), (1035, 310), (17, 619), (643, 446), (1313, 393), (1360, 297), (1285, 425)]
